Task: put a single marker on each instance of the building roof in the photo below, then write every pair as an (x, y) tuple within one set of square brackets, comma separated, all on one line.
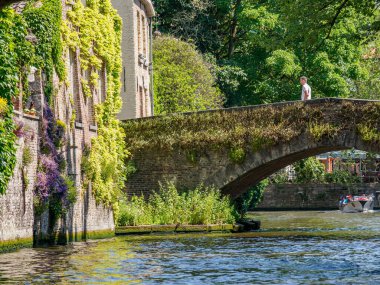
[(148, 7)]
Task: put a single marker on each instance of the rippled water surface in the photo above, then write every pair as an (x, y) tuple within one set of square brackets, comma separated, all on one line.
[(291, 248)]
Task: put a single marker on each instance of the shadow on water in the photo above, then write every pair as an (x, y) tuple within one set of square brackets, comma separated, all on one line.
[(292, 248)]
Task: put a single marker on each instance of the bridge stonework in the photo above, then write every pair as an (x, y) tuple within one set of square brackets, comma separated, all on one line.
[(266, 137)]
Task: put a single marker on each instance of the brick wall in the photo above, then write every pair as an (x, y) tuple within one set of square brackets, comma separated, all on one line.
[(310, 196)]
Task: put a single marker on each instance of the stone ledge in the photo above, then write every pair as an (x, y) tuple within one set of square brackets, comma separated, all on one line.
[(172, 228), (93, 128)]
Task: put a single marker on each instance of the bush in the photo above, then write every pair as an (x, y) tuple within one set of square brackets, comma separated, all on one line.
[(203, 205), (182, 78)]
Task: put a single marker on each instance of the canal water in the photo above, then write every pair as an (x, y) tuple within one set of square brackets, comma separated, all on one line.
[(292, 248)]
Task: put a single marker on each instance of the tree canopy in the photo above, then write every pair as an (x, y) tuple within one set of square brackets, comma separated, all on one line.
[(263, 47), (182, 79)]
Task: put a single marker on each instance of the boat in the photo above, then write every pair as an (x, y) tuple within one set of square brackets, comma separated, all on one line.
[(357, 204)]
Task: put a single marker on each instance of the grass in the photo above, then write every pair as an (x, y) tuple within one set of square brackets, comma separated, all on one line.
[(200, 206)]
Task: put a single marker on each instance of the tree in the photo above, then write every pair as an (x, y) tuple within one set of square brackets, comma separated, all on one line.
[(273, 42), (309, 170), (182, 80)]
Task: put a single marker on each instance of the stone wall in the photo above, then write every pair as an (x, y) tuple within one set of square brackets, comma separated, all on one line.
[(16, 206), (18, 225), (84, 220), (310, 196)]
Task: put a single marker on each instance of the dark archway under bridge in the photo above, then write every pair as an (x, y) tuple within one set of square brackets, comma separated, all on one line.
[(235, 148)]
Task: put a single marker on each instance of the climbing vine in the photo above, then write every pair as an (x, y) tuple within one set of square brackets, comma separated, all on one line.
[(95, 29), (44, 21), (15, 53)]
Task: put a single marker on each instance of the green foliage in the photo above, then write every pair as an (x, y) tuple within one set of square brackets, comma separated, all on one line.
[(309, 170), (341, 177), (96, 30), (271, 43), (3, 106), (71, 190), (192, 156), (182, 78), (237, 154), (26, 156), (203, 205), (368, 133), (13, 49), (44, 21), (253, 128), (250, 199), (319, 130)]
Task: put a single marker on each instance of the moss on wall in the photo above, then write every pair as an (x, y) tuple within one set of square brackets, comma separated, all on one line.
[(254, 128)]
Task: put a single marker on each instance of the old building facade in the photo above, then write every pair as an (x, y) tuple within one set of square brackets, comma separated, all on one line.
[(137, 67), (71, 100)]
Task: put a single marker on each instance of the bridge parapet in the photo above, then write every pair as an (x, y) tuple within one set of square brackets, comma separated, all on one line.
[(237, 147)]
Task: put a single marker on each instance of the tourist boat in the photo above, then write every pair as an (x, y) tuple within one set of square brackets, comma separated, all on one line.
[(356, 204)]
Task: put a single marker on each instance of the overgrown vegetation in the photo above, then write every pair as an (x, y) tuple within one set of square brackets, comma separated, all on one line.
[(44, 21), (250, 129), (96, 30), (250, 199), (14, 55), (203, 205)]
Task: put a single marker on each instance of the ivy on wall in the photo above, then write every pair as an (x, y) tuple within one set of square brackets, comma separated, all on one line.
[(44, 21), (15, 54), (96, 30)]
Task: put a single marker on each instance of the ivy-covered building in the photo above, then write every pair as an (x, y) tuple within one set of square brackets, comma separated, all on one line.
[(61, 145)]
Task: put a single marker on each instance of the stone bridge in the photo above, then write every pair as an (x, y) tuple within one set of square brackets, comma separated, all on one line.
[(235, 148)]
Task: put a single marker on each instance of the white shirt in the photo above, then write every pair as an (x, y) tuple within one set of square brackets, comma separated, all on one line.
[(305, 88)]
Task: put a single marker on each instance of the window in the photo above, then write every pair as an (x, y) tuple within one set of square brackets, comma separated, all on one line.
[(102, 85), (141, 93), (143, 34), (74, 87), (138, 32), (89, 97), (91, 111)]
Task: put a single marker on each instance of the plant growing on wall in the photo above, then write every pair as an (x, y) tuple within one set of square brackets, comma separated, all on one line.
[(44, 22), (95, 29), (51, 187), (15, 53)]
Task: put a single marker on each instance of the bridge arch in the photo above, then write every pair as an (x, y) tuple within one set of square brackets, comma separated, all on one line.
[(200, 147)]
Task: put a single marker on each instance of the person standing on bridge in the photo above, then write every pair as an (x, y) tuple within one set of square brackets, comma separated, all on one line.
[(306, 90)]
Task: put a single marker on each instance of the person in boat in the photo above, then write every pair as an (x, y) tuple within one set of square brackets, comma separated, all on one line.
[(341, 198)]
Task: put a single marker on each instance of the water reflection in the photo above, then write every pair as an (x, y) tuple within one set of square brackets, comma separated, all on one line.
[(314, 248)]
